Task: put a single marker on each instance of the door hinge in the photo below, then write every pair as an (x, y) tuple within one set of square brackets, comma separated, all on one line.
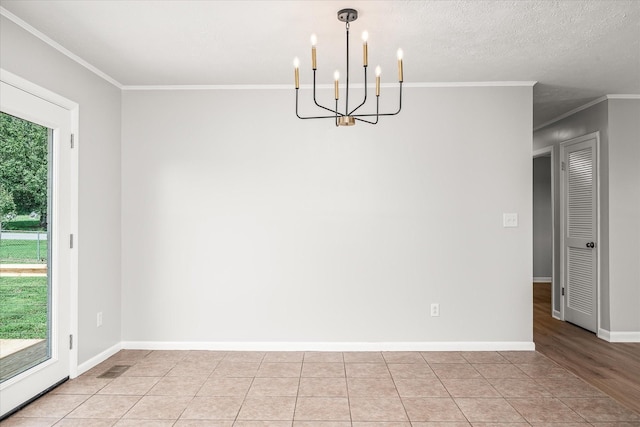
[(71, 241), (72, 140), (562, 166), (562, 291), (70, 342)]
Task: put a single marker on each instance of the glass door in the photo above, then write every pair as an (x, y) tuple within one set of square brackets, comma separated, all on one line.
[(35, 261), (25, 149)]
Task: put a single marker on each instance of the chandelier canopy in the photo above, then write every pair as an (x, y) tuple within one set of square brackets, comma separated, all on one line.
[(348, 117)]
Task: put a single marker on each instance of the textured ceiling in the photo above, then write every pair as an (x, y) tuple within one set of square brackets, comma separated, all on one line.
[(576, 50)]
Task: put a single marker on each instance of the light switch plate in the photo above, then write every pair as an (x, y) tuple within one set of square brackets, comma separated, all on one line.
[(509, 220)]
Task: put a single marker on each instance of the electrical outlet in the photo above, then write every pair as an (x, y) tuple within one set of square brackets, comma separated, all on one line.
[(99, 319), (435, 310)]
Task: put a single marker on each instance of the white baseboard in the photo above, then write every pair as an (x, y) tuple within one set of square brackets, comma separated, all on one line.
[(332, 346), (618, 336), (603, 334), (557, 315), (99, 358), (542, 280)]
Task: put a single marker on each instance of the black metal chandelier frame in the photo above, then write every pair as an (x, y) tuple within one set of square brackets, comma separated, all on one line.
[(348, 118)]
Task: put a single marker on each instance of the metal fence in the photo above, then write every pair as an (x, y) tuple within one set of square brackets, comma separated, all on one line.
[(23, 287), (24, 247)]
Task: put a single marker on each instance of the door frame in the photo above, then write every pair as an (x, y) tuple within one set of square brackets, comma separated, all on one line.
[(543, 152), (563, 219), (73, 108)]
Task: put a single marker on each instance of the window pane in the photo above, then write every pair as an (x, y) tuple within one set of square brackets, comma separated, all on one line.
[(24, 245)]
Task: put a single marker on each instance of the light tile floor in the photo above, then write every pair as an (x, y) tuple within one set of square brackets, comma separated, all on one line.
[(303, 389)]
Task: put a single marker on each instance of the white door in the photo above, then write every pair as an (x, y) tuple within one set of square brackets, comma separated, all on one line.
[(53, 364), (580, 231)]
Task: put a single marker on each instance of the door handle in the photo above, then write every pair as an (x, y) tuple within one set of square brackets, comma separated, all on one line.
[(591, 245)]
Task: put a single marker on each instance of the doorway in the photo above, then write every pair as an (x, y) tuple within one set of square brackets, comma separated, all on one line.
[(40, 124), (544, 225), (580, 230)]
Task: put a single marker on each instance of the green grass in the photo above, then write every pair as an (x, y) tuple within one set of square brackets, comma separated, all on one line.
[(22, 251), (23, 307), (22, 223)]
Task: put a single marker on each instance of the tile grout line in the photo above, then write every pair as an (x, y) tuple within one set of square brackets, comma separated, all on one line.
[(448, 392), (244, 399), (142, 396), (217, 362), (346, 385), (295, 403), (506, 400), (386, 363)]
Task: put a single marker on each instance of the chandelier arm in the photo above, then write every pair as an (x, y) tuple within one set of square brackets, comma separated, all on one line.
[(355, 116), (298, 115), (365, 93), (317, 117), (309, 117), (366, 121), (316, 102), (399, 101), (383, 114), (377, 115)]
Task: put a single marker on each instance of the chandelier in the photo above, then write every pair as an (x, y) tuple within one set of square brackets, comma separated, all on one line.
[(347, 117)]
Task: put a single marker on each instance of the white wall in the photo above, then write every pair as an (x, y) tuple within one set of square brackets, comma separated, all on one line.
[(241, 223), (99, 178), (624, 214)]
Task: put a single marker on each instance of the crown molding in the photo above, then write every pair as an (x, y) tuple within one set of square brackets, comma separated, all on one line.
[(623, 96), (211, 87), (327, 86), (525, 83), (584, 107), (57, 46)]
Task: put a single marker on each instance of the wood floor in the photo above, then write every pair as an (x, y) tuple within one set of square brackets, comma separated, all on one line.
[(614, 368)]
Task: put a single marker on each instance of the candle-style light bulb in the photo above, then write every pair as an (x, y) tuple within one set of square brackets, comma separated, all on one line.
[(296, 66), (314, 42), (365, 48), (400, 73), (336, 78), (378, 72)]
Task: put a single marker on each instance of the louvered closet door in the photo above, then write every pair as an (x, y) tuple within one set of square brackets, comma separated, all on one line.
[(580, 233)]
